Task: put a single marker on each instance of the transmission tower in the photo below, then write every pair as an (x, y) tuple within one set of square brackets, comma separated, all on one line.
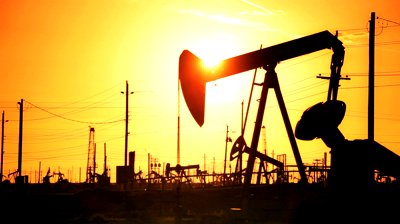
[(91, 162)]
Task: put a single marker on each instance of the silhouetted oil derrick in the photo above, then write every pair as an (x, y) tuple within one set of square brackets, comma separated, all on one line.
[(91, 161)]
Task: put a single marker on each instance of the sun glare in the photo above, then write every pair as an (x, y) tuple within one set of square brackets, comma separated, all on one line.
[(211, 62), (214, 49)]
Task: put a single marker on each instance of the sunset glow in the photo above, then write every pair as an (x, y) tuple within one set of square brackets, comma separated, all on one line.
[(70, 60)]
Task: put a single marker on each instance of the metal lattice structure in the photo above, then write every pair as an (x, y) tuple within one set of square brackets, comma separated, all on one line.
[(91, 162)]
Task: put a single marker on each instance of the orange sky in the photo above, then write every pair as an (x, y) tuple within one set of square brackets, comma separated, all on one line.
[(69, 61)]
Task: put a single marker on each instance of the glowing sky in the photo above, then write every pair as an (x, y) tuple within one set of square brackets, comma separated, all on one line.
[(69, 61)]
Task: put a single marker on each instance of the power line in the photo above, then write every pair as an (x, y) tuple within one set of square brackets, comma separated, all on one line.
[(396, 24), (381, 74), (69, 119), (376, 44), (389, 21), (111, 89), (361, 87)]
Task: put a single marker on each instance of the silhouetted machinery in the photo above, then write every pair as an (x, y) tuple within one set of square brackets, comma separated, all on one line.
[(353, 163), (319, 121), (180, 171), (46, 179)]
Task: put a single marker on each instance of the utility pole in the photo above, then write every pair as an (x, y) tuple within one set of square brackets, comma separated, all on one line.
[(265, 144), (242, 123), (178, 158), (21, 109), (371, 91), (105, 161), (126, 121), (227, 139), (40, 170), (148, 167), (2, 146), (204, 159)]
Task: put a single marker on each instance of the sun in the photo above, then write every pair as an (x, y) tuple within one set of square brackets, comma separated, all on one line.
[(211, 61), (214, 48)]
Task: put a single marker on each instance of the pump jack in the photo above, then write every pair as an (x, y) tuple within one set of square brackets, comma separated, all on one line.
[(319, 121), (193, 77)]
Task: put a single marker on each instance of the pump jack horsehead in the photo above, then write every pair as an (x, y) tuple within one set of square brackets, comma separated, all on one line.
[(319, 121)]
